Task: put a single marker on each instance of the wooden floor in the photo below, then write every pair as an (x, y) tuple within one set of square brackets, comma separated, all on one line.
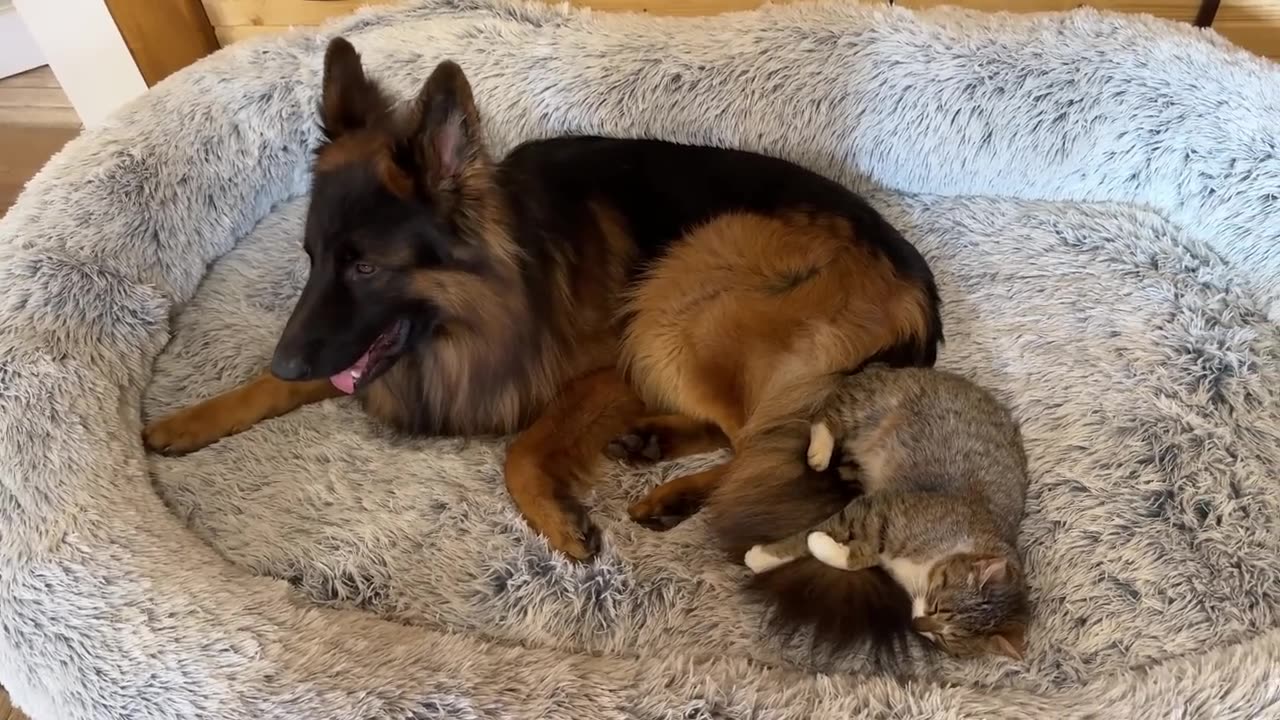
[(7, 711), (36, 120)]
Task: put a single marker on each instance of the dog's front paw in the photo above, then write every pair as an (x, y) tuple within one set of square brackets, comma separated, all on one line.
[(636, 447), (551, 510), (182, 432)]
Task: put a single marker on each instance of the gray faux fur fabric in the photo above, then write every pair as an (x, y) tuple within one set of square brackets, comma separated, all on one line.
[(1100, 199)]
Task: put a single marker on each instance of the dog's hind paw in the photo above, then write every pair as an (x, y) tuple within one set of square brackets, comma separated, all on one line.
[(636, 448), (665, 437)]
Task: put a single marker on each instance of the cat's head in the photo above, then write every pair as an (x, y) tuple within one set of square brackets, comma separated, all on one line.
[(975, 604)]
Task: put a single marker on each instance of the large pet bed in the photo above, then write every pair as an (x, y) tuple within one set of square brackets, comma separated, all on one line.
[(1099, 197)]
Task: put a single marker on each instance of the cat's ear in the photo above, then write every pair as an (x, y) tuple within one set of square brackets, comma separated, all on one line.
[(1010, 642), (448, 128), (349, 100), (991, 570)]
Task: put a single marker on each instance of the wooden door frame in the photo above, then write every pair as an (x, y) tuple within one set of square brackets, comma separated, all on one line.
[(163, 36)]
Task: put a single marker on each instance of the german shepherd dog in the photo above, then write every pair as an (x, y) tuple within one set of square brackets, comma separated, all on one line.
[(581, 290)]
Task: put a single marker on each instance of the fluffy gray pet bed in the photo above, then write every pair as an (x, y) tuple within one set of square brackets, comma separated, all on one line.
[(1098, 195)]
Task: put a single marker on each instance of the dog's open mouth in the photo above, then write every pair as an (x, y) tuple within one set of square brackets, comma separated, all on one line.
[(380, 355)]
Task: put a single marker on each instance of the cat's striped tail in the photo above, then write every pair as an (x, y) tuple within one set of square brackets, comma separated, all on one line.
[(771, 493)]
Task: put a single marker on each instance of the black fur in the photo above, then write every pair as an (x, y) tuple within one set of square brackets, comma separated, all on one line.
[(661, 190)]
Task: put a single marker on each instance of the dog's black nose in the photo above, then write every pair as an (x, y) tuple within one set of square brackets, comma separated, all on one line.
[(289, 367)]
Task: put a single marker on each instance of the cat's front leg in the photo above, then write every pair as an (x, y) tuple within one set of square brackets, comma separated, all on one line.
[(853, 555), (763, 558), (822, 445), (838, 527)]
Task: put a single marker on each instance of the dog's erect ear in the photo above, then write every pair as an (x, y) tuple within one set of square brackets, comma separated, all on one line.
[(448, 129), (350, 100)]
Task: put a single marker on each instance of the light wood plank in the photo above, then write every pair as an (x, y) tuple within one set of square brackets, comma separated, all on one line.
[(236, 20), (240, 33), (1251, 24), (1183, 10), (233, 13), (41, 77), (239, 20), (7, 710), (52, 117), (237, 13), (994, 5), (685, 7), (33, 98)]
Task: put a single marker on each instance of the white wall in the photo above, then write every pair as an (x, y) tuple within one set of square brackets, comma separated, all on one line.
[(18, 50), (84, 49)]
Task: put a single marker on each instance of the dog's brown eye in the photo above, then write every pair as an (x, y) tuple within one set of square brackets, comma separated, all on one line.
[(365, 268)]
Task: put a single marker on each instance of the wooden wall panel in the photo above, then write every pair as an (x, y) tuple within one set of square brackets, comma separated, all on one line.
[(231, 13), (231, 34), (1183, 10), (1251, 24), (1254, 24), (283, 13), (683, 7)]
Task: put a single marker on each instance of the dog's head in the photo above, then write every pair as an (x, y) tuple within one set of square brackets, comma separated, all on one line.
[(401, 221)]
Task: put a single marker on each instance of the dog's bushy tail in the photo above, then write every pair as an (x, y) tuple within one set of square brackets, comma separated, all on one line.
[(841, 611), (770, 493)]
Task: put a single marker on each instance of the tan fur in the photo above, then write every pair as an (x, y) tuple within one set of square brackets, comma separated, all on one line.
[(742, 319), (746, 296), (672, 501), (747, 305), (552, 462), (260, 399), (704, 338)]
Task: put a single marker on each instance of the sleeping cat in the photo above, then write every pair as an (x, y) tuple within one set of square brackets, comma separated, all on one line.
[(944, 478)]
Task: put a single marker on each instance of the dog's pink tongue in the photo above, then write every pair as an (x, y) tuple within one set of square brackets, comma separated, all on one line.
[(347, 379), (344, 381)]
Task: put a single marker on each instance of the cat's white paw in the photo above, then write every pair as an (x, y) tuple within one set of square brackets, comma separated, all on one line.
[(759, 560), (828, 551), (821, 445)]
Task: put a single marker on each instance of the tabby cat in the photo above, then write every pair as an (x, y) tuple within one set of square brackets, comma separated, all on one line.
[(944, 479)]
